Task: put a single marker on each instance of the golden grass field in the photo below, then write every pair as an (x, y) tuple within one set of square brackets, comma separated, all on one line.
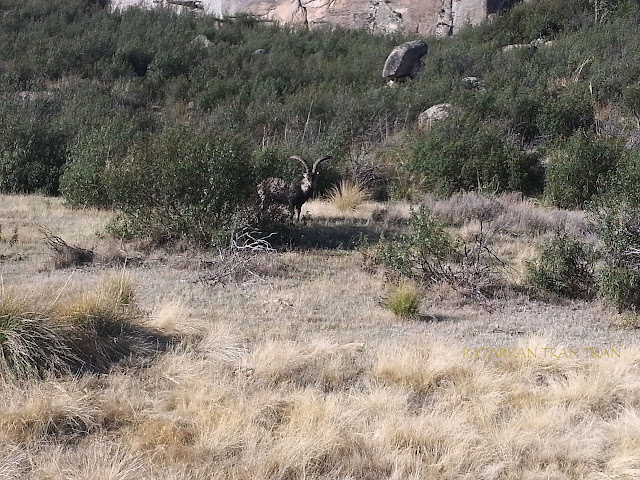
[(294, 368)]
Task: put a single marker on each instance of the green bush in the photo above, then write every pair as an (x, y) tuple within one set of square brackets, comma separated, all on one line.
[(615, 214), (315, 91), (83, 181), (579, 168), (182, 185), (620, 287), (31, 156), (462, 153), (569, 110), (564, 267), (420, 255)]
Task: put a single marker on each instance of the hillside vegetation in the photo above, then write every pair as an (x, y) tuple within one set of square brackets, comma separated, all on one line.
[(461, 302), (91, 98)]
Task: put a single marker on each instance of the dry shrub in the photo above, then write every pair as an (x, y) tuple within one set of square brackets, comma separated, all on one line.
[(348, 196), (389, 215), (465, 207), (526, 217), (371, 176), (509, 213), (64, 255)]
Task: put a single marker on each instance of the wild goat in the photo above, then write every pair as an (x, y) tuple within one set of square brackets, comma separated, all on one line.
[(276, 190)]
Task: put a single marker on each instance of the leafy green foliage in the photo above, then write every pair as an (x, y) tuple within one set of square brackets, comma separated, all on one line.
[(181, 185), (616, 216), (569, 110), (564, 267), (84, 181), (91, 87), (577, 169), (422, 254), (620, 287), (31, 157), (461, 153)]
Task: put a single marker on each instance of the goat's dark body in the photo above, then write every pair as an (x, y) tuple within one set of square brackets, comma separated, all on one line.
[(276, 191)]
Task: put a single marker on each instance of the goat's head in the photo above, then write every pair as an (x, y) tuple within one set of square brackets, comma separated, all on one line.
[(310, 173)]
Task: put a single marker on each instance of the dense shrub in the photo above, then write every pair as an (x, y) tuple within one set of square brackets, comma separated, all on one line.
[(579, 167), (616, 216), (462, 153), (564, 267), (620, 287), (31, 156), (182, 185), (83, 180), (569, 110), (429, 255), (422, 254), (315, 92)]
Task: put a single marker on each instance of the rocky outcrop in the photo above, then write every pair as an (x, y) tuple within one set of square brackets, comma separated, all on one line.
[(423, 17)]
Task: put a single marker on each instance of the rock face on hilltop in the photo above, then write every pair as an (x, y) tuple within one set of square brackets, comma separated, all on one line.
[(423, 17)]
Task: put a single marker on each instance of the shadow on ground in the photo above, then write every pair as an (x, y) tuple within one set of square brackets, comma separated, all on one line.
[(344, 236)]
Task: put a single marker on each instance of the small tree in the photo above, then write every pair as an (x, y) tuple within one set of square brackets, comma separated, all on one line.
[(564, 267), (577, 169), (182, 186), (616, 216)]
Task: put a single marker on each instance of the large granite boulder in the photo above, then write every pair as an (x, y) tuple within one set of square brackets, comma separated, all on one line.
[(405, 61)]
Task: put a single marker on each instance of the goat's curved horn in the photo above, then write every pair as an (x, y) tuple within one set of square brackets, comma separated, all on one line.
[(319, 161), (306, 165)]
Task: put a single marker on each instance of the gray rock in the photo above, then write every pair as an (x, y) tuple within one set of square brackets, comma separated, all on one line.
[(405, 60), (472, 83), (261, 51), (202, 40), (433, 114)]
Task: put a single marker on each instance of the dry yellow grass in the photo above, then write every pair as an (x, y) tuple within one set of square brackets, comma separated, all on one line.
[(303, 373)]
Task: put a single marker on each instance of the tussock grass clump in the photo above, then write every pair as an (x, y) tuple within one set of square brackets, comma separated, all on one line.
[(31, 343), (404, 301), (89, 333), (348, 196)]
